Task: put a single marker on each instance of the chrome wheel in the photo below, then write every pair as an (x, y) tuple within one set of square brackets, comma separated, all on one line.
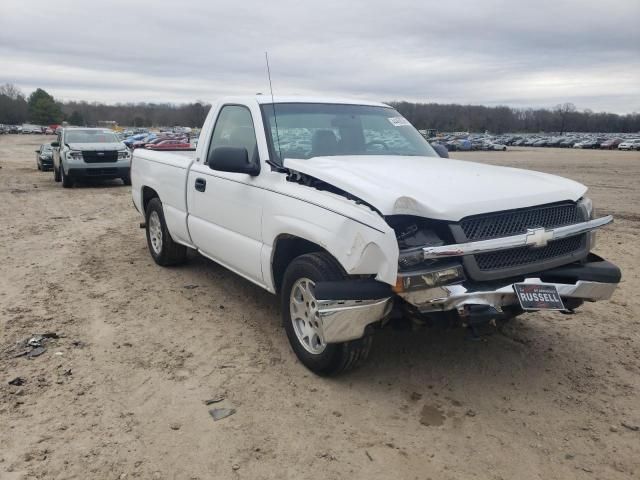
[(155, 232), (305, 317)]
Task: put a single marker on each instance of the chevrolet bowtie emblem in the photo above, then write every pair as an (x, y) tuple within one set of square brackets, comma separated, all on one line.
[(538, 237)]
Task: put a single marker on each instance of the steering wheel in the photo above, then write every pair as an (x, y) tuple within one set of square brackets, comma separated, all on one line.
[(377, 142)]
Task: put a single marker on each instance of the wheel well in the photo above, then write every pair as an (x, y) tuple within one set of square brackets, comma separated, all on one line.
[(148, 194), (287, 248)]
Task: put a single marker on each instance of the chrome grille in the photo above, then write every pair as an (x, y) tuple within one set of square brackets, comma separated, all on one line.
[(503, 224), (526, 255), (521, 260)]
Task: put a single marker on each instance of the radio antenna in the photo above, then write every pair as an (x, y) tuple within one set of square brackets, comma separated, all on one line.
[(273, 104)]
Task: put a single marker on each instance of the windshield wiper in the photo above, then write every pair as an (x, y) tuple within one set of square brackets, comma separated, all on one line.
[(277, 167)]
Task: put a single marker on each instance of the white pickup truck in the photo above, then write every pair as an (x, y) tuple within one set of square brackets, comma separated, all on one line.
[(346, 212)]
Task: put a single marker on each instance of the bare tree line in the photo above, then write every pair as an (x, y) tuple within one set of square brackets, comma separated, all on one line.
[(15, 109), (501, 119)]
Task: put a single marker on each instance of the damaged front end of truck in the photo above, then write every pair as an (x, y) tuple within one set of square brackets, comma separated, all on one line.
[(473, 271), (492, 267)]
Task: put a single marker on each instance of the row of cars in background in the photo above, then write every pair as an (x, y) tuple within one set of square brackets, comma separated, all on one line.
[(160, 141), (464, 141), (28, 129), (454, 143)]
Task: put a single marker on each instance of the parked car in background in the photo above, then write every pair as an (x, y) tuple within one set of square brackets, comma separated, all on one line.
[(611, 143), (129, 141), (633, 144), (170, 145), (144, 140), (31, 129), (89, 153), (44, 157), (463, 145), (497, 146), (154, 141), (587, 143)]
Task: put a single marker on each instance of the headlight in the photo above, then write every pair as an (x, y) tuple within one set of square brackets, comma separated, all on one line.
[(429, 278), (74, 155), (123, 155)]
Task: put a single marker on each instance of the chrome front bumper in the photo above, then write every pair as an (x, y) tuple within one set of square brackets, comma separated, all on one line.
[(454, 297), (345, 320), (347, 307)]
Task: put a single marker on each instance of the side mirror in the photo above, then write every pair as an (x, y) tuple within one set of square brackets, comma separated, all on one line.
[(232, 159), (55, 144), (441, 150), (37, 151)]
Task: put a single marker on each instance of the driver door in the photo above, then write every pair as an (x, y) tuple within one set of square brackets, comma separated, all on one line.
[(225, 208)]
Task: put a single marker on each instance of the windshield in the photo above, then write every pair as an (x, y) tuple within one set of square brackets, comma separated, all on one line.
[(90, 136), (307, 130)]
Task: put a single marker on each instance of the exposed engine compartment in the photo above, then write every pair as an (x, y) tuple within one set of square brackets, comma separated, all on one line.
[(414, 232)]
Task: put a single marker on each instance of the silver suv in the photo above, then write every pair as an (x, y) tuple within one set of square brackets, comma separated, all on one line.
[(89, 153)]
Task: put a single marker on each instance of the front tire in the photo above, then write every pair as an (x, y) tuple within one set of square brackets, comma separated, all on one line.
[(163, 249), (127, 180), (56, 174), (301, 320), (66, 181)]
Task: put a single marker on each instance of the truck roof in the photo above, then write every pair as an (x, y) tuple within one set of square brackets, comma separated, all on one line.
[(266, 99)]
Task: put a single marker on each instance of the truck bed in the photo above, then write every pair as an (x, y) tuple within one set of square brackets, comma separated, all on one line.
[(165, 172)]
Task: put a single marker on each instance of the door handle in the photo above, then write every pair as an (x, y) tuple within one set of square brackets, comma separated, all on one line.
[(201, 184)]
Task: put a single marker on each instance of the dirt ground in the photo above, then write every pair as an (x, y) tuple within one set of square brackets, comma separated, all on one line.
[(121, 393)]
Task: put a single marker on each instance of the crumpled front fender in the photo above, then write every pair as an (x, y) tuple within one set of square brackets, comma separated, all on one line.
[(360, 248)]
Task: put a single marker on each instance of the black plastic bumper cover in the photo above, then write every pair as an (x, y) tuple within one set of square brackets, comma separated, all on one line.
[(358, 289), (594, 269)]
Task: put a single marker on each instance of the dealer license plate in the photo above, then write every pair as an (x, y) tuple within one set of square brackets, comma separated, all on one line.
[(538, 297)]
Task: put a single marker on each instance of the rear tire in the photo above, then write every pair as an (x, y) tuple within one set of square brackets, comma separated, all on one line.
[(297, 296), (163, 249)]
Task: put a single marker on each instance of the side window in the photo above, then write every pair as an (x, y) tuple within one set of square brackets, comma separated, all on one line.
[(234, 128)]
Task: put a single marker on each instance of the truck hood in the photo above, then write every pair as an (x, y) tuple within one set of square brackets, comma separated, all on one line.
[(102, 147), (438, 188)]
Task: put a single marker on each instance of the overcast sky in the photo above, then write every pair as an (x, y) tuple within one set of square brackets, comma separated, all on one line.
[(518, 53)]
